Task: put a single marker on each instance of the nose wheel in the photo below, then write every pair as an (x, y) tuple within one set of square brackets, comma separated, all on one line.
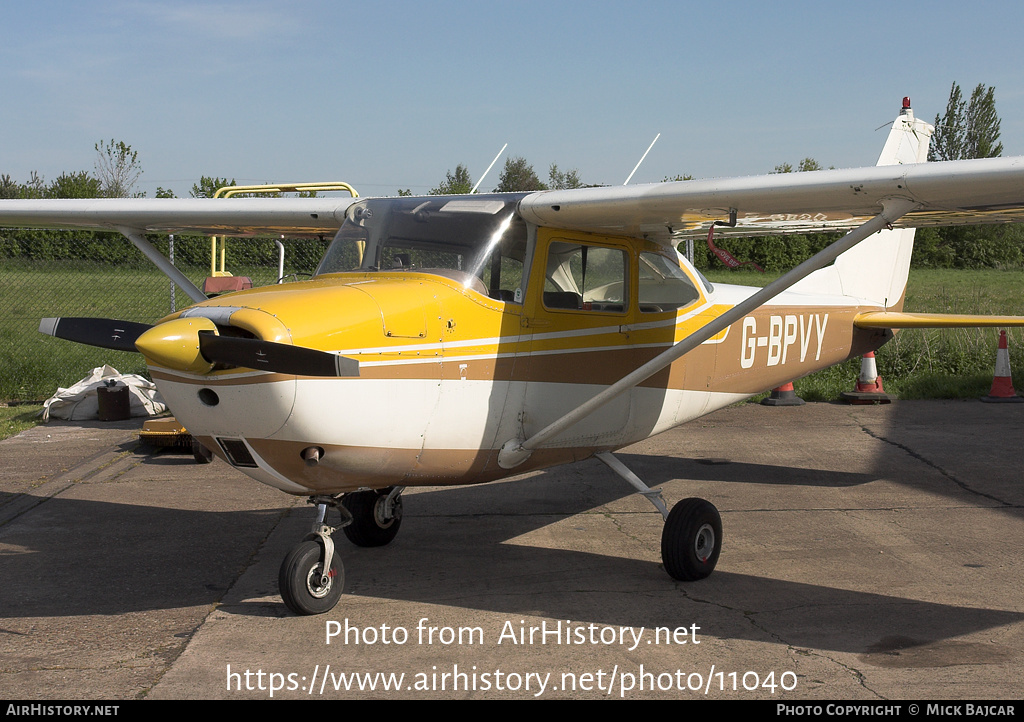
[(304, 587), (312, 577)]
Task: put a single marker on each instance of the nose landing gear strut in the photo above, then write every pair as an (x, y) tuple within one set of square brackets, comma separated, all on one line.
[(312, 576)]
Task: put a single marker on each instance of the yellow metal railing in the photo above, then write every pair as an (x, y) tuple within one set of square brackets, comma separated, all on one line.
[(228, 191)]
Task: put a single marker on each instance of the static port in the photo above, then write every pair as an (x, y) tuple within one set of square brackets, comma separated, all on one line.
[(209, 397)]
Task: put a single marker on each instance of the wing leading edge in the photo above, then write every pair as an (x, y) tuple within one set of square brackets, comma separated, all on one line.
[(238, 216), (989, 190)]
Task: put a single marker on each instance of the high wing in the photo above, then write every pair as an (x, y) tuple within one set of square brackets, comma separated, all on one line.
[(956, 192), (237, 216), (988, 190), (135, 217)]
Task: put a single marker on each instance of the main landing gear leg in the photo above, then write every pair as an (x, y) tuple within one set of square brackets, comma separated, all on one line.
[(376, 516), (312, 577), (691, 539)]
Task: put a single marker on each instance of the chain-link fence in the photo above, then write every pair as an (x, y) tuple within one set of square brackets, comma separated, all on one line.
[(78, 275), (46, 273)]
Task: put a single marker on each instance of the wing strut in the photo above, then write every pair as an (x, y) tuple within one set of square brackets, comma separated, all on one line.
[(160, 261), (515, 451)]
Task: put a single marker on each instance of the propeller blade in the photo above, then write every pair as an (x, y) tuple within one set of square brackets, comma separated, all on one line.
[(103, 332), (277, 357)]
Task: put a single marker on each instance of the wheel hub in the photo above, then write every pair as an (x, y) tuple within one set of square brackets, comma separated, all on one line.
[(386, 512), (315, 585), (704, 542)]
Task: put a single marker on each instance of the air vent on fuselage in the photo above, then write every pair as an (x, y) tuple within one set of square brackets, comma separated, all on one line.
[(237, 453)]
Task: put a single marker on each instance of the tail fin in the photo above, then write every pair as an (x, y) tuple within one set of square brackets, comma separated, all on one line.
[(876, 269)]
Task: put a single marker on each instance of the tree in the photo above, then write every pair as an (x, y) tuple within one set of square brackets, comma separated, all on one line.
[(35, 188), (117, 167), (75, 185), (557, 180), (807, 164), (8, 187), (968, 129), (207, 186), (455, 183), (676, 178), (518, 175)]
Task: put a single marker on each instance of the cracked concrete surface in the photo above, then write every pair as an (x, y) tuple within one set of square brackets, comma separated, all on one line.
[(870, 553)]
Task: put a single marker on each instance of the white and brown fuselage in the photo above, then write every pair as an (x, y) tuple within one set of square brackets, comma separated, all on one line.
[(448, 374)]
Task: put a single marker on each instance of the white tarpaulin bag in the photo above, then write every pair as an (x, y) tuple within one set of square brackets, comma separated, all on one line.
[(80, 402)]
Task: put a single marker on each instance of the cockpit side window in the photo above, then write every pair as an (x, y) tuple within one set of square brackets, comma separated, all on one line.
[(583, 277)]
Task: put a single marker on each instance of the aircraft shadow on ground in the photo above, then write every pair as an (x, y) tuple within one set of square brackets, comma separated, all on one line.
[(112, 558), (657, 470), (465, 561)]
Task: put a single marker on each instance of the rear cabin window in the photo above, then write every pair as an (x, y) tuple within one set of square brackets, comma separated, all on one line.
[(664, 286)]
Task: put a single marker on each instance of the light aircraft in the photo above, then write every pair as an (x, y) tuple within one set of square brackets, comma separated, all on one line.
[(461, 339)]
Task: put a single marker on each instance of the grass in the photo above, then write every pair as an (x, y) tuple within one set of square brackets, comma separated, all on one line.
[(953, 363), (34, 365), (15, 419)]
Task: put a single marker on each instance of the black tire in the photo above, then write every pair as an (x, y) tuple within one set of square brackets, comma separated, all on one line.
[(368, 527), (691, 540), (299, 580), (200, 453)]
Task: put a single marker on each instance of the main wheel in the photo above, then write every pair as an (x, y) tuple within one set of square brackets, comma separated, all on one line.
[(370, 526), (691, 540), (300, 584)]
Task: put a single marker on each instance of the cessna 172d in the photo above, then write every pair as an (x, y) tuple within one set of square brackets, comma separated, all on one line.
[(462, 339)]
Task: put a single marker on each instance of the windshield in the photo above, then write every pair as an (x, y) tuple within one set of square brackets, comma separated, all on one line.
[(479, 241)]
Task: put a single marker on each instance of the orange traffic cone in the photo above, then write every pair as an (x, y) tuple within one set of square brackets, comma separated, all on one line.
[(1002, 384), (783, 396), (868, 389)]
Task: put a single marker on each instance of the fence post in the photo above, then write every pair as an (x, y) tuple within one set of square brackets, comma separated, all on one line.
[(171, 254)]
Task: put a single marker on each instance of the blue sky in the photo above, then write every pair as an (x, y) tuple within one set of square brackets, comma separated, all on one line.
[(389, 95)]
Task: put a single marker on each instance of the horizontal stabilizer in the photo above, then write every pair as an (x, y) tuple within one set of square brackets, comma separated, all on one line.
[(894, 319)]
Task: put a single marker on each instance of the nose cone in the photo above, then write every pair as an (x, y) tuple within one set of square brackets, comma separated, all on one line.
[(175, 344)]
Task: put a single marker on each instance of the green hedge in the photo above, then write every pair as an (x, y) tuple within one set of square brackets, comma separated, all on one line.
[(301, 255), (996, 246)]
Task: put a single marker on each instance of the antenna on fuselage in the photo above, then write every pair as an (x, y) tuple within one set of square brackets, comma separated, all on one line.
[(642, 157), (489, 168)]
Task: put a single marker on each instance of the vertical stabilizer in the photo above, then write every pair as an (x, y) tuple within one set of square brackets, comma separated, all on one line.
[(876, 270)]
